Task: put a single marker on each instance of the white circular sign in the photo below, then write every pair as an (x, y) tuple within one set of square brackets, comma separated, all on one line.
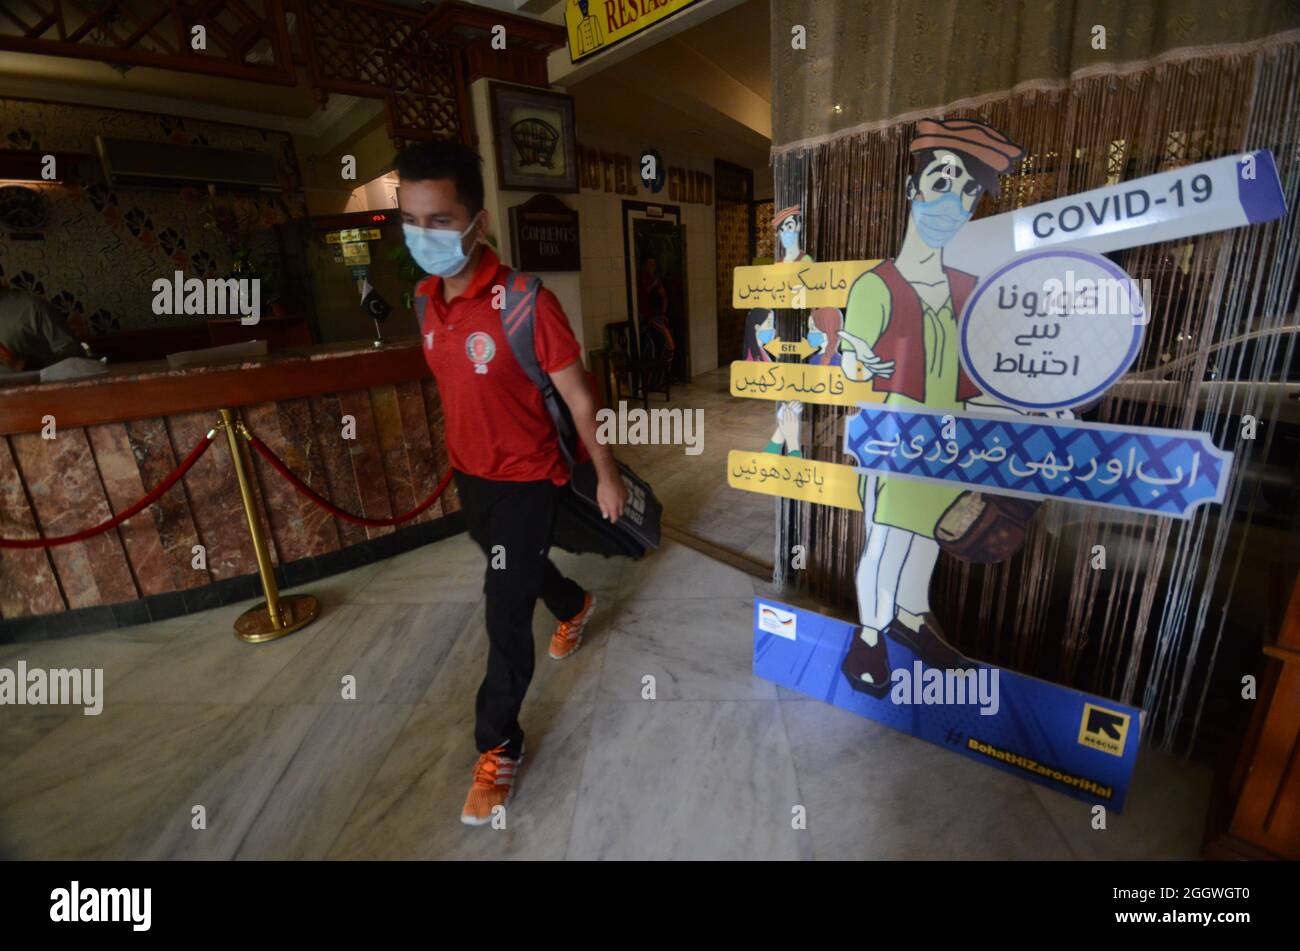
[(1052, 329)]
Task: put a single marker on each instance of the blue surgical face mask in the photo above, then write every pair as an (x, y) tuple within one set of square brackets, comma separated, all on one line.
[(816, 339), (789, 239), (765, 337), (437, 251), (938, 221)]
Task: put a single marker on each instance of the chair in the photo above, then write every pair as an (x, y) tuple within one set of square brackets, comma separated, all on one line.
[(625, 366)]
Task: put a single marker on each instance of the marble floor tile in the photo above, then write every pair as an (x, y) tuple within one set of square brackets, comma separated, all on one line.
[(340, 588), (411, 809), (760, 549), (875, 793), (316, 793), (23, 727), (688, 780), (676, 572), (573, 679), (92, 780), (393, 652), (1163, 818), (447, 570), (208, 664), (693, 489), (596, 573), (700, 649), (231, 777), (118, 653)]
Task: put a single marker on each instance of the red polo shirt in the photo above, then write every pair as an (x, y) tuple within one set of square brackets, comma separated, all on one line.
[(497, 426)]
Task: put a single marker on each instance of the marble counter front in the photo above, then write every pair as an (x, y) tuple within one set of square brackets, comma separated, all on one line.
[(115, 436)]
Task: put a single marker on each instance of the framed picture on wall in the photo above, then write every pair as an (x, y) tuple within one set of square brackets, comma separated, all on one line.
[(537, 149)]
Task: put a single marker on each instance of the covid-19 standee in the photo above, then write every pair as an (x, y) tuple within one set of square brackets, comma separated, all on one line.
[(970, 356)]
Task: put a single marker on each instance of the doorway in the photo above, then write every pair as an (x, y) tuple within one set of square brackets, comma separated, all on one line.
[(656, 285), (734, 235)]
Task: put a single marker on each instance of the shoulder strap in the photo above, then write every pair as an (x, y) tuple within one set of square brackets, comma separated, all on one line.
[(421, 300), (518, 320)]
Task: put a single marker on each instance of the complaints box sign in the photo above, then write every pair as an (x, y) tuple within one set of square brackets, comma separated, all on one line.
[(544, 235)]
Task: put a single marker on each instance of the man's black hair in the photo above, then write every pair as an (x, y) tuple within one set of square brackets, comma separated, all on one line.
[(437, 159), (984, 177)]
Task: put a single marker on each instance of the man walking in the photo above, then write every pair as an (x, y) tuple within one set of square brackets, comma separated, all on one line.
[(503, 445)]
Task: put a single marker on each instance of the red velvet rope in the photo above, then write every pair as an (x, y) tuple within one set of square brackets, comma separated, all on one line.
[(118, 519), (264, 451)]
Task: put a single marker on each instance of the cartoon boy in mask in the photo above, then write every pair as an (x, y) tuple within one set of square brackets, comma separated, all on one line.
[(900, 332), (788, 227)]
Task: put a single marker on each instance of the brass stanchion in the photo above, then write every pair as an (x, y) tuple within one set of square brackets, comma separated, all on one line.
[(276, 616)]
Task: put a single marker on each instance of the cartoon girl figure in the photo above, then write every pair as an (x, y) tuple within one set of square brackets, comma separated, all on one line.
[(824, 326), (760, 330), (901, 332)]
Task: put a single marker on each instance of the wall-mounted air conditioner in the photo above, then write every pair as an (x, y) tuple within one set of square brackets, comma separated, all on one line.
[(129, 163)]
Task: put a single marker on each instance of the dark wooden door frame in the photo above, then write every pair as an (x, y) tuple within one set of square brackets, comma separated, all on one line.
[(673, 214)]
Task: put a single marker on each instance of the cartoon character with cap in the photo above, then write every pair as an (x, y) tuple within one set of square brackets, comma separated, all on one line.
[(900, 332), (788, 226)]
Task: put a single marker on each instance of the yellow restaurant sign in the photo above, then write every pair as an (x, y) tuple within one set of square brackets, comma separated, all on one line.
[(808, 480), (596, 25), (798, 284)]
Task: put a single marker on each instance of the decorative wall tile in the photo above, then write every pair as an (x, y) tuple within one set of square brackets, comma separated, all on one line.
[(103, 248)]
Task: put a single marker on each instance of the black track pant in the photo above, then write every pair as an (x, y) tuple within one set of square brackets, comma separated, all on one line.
[(512, 523)]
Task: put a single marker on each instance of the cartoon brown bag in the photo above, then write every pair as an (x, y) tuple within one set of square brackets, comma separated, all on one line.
[(984, 528)]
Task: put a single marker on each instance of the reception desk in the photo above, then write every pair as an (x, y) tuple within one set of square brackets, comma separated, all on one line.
[(75, 453)]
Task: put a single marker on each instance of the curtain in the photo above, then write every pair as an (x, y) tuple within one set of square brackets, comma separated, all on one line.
[(870, 65)]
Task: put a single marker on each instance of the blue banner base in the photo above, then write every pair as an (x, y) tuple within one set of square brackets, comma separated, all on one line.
[(1075, 743)]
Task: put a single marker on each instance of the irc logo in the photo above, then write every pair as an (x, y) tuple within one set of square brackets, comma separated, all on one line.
[(1102, 729)]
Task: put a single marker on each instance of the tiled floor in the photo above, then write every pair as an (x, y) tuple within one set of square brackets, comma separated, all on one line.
[(261, 738), (693, 489)]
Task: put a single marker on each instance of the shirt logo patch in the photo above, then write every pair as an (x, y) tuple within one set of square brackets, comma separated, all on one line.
[(480, 348)]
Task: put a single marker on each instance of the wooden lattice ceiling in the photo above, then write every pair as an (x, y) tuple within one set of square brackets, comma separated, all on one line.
[(414, 60), (244, 39)]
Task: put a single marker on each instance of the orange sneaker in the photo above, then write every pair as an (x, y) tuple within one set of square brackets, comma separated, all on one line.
[(494, 781), (568, 634)]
